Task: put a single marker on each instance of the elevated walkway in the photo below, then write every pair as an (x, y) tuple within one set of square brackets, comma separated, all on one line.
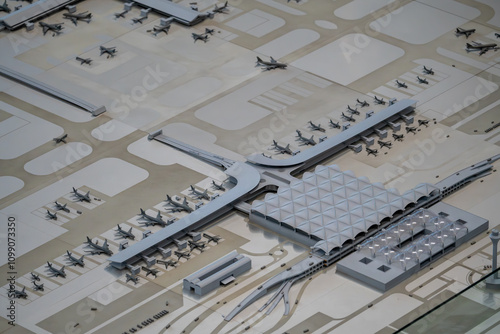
[(50, 90)]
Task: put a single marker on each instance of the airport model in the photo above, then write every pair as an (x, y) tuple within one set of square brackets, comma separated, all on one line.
[(263, 166)]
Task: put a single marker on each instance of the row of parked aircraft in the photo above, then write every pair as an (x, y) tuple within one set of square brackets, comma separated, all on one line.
[(397, 137), (200, 245), (476, 46)]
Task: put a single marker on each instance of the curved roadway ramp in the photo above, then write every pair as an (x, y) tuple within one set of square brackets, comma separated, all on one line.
[(50, 90), (286, 278)]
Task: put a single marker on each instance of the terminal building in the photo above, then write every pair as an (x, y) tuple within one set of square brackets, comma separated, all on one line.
[(221, 272), (411, 244), (329, 208)]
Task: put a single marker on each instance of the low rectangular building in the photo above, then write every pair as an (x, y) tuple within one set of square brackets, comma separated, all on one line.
[(221, 272), (402, 250)]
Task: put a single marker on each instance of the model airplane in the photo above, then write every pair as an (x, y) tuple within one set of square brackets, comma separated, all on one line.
[(85, 17), (150, 271), (177, 206), (56, 272), (270, 65), (371, 151), (482, 48), (35, 277), (139, 19), (348, 118), (125, 234), (422, 80), (316, 127), (201, 37), (120, 14), (209, 31), (466, 32), (411, 129), (217, 186), (167, 263), (334, 125), (398, 137), (362, 103), (51, 215), (197, 245), (424, 122), (59, 207), (97, 250), (383, 144), (109, 50), (281, 149), (5, 7), (304, 140), (352, 111), (20, 293), (378, 101), (222, 9), (401, 84), (75, 261), (185, 255), (38, 287), (428, 71), (82, 197), (82, 61), (61, 139), (132, 278), (158, 29), (56, 28), (214, 238), (151, 220), (199, 194)]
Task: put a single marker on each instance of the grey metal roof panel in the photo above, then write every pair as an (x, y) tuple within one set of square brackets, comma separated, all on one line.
[(171, 9)]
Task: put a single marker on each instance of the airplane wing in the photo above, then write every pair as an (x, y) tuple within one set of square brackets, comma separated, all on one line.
[(45, 29)]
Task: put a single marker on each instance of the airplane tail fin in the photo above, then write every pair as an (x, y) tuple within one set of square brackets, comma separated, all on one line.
[(142, 211), (288, 146), (130, 231), (62, 268), (81, 258), (67, 252), (259, 60), (49, 264)]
